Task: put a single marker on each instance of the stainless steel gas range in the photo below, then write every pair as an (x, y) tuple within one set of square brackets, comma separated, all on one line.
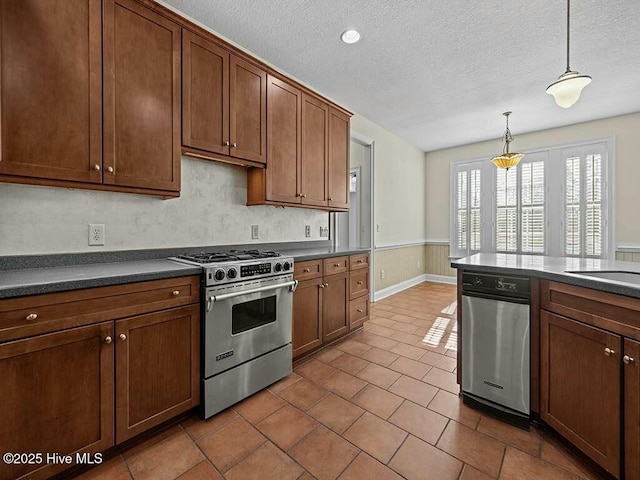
[(246, 329)]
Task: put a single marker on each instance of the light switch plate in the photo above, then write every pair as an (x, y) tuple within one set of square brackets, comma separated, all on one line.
[(255, 232)]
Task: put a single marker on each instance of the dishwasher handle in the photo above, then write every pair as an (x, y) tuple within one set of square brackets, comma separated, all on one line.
[(500, 298)]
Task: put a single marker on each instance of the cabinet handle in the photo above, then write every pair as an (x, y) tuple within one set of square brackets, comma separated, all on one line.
[(608, 352), (110, 170), (108, 340), (234, 145), (307, 270), (175, 293), (96, 167), (31, 316), (123, 337), (628, 360), (226, 144), (360, 310), (360, 282)]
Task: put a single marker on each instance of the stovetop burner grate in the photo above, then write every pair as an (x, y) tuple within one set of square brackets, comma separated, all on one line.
[(232, 255)]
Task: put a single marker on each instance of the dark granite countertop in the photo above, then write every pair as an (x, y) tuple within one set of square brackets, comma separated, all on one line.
[(559, 269), (304, 254), (34, 281)]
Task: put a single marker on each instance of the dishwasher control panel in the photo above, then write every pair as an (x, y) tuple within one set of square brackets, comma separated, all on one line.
[(496, 284)]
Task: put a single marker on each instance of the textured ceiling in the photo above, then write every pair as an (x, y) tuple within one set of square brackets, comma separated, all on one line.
[(440, 73)]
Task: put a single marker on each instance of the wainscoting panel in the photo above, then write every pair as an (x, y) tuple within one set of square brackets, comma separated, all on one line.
[(438, 262), (399, 265), (628, 256)]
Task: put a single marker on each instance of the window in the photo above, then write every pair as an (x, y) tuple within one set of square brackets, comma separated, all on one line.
[(468, 206), (555, 202)]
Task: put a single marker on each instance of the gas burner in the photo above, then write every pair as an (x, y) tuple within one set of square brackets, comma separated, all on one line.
[(231, 256), (251, 254)]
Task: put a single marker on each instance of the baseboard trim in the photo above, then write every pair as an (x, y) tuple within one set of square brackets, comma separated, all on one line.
[(399, 287), (441, 279)]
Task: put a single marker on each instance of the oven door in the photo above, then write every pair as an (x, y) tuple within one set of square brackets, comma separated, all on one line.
[(244, 321)]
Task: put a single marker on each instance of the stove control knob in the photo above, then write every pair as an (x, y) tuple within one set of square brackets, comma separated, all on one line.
[(286, 266), (232, 273), (278, 267), (219, 274)]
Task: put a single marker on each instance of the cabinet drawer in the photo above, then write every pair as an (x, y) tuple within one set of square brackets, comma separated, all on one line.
[(601, 309), (307, 270), (359, 284), (336, 265), (358, 312), (359, 261), (33, 315)]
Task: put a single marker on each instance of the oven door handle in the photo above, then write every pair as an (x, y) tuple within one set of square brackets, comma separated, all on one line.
[(218, 298)]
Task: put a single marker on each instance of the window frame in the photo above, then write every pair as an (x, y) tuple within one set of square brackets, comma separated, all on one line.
[(554, 174)]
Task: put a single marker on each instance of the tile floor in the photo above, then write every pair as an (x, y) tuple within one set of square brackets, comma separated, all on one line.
[(382, 404)]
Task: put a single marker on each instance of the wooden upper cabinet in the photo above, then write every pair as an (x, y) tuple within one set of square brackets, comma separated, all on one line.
[(205, 94), (57, 396), (283, 141), (248, 111), (51, 89), (580, 382), (338, 170), (224, 104), (313, 161), (141, 97)]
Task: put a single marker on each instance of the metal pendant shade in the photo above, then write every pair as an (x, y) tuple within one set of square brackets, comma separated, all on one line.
[(567, 89), (507, 159)]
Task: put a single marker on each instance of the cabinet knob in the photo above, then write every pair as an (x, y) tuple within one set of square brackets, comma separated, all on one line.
[(110, 170), (628, 360), (359, 282), (326, 285), (360, 310), (306, 270), (608, 352), (31, 316), (303, 195), (234, 145), (96, 167), (321, 285), (108, 340), (361, 261), (226, 144), (175, 293), (123, 336), (337, 265)]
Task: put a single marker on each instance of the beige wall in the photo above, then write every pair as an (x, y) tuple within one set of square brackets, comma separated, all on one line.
[(399, 264), (624, 129), (399, 195), (438, 262)]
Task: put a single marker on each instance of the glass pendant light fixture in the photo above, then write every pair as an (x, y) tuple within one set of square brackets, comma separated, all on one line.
[(567, 89), (507, 159)]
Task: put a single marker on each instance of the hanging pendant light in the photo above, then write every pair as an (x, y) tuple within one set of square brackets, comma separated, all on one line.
[(507, 159), (567, 89)]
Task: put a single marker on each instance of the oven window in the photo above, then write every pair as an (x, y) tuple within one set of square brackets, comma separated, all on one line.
[(248, 315)]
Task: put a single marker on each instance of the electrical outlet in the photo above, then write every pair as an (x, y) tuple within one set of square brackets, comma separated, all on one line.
[(255, 232), (96, 234), (307, 230), (381, 273), (324, 231), (418, 263)]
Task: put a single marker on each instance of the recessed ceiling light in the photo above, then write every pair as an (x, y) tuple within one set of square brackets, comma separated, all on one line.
[(350, 36)]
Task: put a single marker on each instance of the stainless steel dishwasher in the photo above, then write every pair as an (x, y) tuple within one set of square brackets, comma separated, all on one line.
[(496, 345)]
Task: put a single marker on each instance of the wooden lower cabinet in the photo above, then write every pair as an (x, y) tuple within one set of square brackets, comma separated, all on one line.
[(632, 408), (157, 368), (580, 387), (335, 306), (57, 397), (307, 316)]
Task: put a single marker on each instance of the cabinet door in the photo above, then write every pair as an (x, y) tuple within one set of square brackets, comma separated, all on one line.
[(335, 306), (57, 396), (248, 117), (283, 141), (51, 89), (632, 409), (307, 316), (157, 368), (338, 172), (313, 161), (205, 95), (141, 97), (580, 386)]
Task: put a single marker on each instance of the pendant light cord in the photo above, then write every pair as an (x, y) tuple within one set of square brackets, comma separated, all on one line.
[(568, 11)]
